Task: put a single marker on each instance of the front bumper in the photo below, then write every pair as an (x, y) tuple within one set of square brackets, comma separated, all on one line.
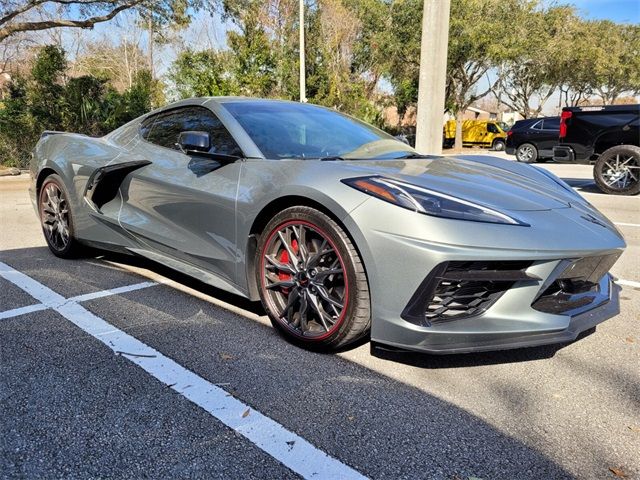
[(452, 342), (397, 264)]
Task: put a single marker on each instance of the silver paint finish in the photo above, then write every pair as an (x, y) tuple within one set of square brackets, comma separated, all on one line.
[(201, 223)]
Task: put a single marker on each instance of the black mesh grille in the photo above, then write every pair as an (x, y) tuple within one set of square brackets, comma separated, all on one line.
[(453, 300), (457, 290)]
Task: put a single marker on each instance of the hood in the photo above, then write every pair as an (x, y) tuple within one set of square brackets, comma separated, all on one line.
[(495, 183)]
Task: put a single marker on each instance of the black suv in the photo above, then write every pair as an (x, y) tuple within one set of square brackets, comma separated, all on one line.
[(533, 139)]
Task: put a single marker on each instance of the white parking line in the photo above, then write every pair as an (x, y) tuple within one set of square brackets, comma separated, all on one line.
[(113, 291), (627, 224), (285, 446), (80, 298), (628, 283), (22, 311)]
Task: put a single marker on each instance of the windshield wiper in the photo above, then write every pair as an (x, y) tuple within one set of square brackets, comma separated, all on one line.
[(332, 158)]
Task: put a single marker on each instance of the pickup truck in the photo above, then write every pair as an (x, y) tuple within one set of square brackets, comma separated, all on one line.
[(607, 135)]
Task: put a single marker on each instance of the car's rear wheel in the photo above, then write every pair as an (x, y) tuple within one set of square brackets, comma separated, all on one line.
[(498, 145), (617, 170), (312, 281), (56, 218), (527, 153)]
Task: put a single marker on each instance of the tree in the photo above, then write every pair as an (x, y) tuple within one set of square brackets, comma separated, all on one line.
[(203, 74), (616, 63), (481, 33), (18, 15), (120, 63), (536, 65), (254, 65), (49, 100), (14, 14)]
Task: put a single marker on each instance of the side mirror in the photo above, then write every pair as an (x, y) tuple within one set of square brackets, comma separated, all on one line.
[(194, 141)]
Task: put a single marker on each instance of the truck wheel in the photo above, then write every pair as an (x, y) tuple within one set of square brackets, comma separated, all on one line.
[(527, 153), (498, 145), (617, 170)]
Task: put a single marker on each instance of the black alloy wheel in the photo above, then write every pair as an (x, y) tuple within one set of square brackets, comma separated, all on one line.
[(56, 218), (311, 280)]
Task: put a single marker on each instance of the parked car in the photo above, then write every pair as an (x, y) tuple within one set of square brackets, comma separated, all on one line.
[(340, 229), (533, 139), (608, 135), (477, 133)]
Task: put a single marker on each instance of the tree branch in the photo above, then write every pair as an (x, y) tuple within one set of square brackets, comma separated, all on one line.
[(44, 25)]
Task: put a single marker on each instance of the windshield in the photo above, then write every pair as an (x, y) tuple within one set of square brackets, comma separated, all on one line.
[(298, 130), (504, 126)]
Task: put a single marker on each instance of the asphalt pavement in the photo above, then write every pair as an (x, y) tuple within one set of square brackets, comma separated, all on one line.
[(115, 367)]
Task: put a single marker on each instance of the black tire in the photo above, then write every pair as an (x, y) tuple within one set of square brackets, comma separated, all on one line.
[(305, 283), (527, 153), (57, 225), (499, 145), (617, 170)]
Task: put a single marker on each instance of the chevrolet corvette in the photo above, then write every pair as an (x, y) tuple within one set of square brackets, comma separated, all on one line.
[(341, 230)]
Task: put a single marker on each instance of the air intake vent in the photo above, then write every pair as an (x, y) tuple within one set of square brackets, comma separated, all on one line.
[(457, 290)]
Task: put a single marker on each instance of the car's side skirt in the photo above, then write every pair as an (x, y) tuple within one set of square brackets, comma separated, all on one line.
[(189, 269)]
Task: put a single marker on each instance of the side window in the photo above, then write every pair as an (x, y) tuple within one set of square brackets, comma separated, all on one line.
[(551, 124), (165, 129), (537, 125), (492, 128), (221, 139), (146, 125), (168, 125)]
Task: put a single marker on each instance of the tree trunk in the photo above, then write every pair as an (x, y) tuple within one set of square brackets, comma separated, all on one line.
[(459, 120)]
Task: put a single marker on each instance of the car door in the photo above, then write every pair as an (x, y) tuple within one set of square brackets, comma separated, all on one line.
[(184, 205), (548, 136)]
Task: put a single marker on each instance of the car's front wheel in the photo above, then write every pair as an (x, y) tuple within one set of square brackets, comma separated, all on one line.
[(312, 281), (499, 145), (617, 170), (56, 218), (527, 153)]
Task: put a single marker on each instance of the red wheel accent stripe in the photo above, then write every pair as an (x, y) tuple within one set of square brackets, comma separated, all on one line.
[(344, 272)]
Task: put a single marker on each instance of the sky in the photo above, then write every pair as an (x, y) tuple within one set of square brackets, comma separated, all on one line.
[(627, 11)]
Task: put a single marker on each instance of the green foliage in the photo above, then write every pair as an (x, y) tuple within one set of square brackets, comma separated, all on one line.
[(47, 100), (202, 74), (254, 63)]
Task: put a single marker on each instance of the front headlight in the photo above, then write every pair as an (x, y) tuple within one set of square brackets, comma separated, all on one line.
[(428, 202)]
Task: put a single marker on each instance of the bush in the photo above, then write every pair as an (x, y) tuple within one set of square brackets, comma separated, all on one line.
[(46, 100)]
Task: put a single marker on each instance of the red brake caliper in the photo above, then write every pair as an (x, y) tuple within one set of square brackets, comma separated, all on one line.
[(284, 258)]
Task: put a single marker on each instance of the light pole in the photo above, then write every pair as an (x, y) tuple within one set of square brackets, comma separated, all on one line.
[(433, 75), (303, 87)]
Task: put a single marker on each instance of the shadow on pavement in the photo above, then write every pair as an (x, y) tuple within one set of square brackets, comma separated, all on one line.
[(585, 185)]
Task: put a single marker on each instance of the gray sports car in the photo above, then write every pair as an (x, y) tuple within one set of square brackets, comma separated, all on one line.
[(341, 230)]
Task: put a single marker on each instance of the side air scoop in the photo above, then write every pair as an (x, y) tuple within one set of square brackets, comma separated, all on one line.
[(103, 184)]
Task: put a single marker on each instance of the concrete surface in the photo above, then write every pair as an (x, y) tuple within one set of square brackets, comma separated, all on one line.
[(71, 408)]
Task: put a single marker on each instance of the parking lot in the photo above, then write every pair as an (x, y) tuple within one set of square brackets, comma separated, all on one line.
[(116, 367)]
